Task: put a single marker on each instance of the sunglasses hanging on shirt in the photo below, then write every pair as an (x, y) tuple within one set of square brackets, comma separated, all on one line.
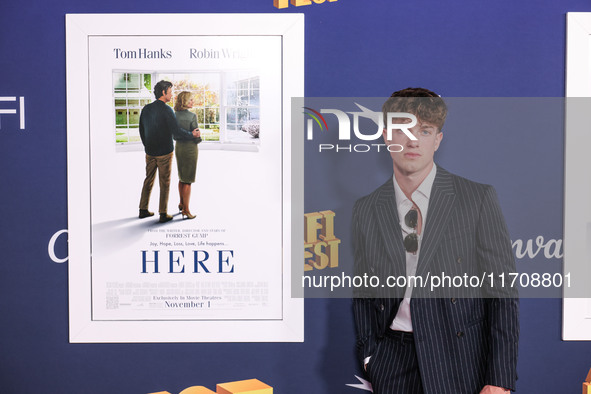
[(411, 241)]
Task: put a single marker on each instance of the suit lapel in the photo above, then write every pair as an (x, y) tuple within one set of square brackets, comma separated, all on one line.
[(389, 227), (441, 204)]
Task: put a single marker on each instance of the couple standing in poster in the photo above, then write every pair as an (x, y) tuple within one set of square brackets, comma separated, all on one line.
[(158, 127)]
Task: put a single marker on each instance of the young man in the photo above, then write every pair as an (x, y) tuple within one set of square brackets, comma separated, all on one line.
[(157, 126), (426, 222)]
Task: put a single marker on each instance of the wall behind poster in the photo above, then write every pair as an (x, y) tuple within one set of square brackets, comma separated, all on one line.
[(352, 49)]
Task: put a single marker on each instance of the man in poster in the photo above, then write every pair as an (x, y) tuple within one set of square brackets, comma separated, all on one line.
[(427, 221), (157, 126)]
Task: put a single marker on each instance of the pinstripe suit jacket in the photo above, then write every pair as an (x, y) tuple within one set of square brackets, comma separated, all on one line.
[(463, 340)]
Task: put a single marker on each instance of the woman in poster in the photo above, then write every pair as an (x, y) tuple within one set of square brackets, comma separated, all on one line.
[(186, 151)]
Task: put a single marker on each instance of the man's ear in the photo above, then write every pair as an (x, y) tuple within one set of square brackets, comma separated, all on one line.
[(438, 139)]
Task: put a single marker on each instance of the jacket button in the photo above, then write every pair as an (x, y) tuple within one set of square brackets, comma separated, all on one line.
[(453, 300), (459, 260), (382, 307), (460, 334)]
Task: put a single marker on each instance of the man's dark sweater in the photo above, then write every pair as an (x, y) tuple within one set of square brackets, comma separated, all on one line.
[(157, 127)]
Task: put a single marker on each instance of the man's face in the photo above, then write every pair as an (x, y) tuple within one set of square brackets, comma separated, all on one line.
[(417, 156), (167, 96)]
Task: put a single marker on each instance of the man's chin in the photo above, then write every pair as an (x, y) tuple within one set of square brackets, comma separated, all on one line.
[(409, 169)]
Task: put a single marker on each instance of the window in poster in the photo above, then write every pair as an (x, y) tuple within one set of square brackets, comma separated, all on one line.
[(577, 197), (226, 103), (226, 275)]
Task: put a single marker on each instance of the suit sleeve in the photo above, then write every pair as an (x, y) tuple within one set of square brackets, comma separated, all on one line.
[(495, 256), (363, 302)]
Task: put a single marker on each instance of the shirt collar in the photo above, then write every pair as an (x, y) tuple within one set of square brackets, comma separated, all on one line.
[(423, 189)]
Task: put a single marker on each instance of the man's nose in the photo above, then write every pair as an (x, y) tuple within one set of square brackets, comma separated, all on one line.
[(411, 142)]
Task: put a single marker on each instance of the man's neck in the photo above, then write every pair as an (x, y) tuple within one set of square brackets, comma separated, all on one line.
[(409, 183), (163, 99)]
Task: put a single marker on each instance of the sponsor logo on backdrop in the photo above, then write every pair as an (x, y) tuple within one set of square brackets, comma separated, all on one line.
[(551, 249), (348, 126), (18, 108), (298, 3), (51, 247), (321, 246), (238, 387)]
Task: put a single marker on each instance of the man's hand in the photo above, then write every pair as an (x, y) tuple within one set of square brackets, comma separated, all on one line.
[(196, 132), (488, 389)]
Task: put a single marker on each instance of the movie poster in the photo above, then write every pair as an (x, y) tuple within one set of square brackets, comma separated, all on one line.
[(228, 263)]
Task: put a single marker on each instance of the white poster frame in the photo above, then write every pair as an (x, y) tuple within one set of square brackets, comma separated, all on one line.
[(576, 317), (79, 29)]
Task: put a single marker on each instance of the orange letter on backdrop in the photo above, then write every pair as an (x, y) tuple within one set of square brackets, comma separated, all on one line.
[(241, 386), (297, 3), (281, 3), (323, 253)]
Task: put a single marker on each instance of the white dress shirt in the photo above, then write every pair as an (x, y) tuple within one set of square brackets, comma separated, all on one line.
[(420, 197)]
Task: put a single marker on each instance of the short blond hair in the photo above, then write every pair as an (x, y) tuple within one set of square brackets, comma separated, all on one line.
[(182, 101)]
